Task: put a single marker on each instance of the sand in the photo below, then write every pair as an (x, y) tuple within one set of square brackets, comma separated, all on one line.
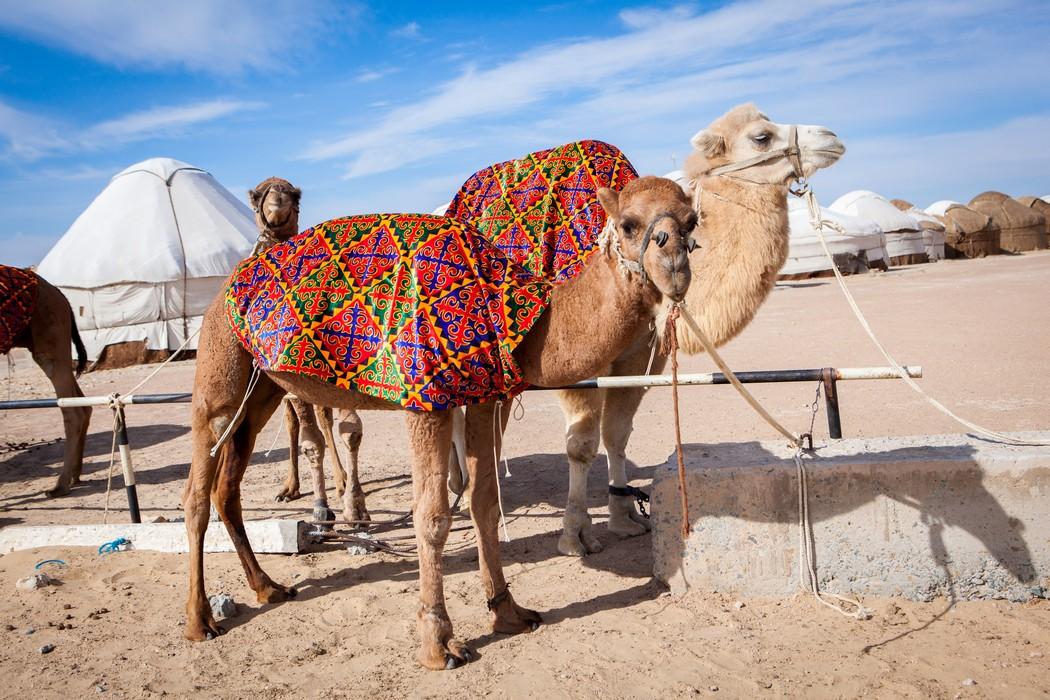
[(611, 631)]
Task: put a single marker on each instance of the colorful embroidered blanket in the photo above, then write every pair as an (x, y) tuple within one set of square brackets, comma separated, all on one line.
[(414, 309), (542, 210), (17, 303)]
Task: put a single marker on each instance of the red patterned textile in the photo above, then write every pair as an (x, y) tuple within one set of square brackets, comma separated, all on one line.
[(17, 303)]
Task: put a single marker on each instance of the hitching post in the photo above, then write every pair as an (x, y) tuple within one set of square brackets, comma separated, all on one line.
[(125, 463), (831, 398)]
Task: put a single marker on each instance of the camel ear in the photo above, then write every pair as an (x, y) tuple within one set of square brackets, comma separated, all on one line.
[(610, 200), (296, 195), (253, 199), (710, 144)]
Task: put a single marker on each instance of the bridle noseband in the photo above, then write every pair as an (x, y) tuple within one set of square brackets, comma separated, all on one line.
[(791, 151), (610, 238)]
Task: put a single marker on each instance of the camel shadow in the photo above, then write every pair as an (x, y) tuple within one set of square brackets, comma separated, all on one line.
[(920, 499)]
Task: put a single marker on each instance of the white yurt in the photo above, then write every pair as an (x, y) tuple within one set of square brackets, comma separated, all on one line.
[(141, 264), (861, 248), (932, 228), (904, 238)]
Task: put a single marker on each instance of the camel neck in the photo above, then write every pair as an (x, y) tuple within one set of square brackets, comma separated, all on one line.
[(591, 319), (744, 243)]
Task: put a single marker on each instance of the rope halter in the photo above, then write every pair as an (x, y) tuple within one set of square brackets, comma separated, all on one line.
[(791, 151), (610, 240)]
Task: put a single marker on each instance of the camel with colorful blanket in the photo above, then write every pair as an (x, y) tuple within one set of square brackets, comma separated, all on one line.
[(541, 211), (421, 314)]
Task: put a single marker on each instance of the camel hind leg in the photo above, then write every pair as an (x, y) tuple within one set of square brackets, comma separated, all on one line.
[(313, 446), (351, 432), (324, 421)]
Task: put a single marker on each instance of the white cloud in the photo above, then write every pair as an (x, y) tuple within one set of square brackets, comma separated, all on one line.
[(215, 36), (30, 137), (373, 74), (408, 31), (862, 60)]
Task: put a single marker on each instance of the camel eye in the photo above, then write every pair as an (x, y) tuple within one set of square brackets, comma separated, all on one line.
[(628, 227), (761, 139), (691, 223)]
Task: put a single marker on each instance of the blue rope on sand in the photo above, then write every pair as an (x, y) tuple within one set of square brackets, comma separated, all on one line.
[(49, 561), (116, 545)]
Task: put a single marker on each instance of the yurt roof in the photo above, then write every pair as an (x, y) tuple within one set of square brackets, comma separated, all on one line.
[(928, 222), (1006, 211), (961, 217), (798, 218), (156, 221), (869, 205), (1040, 205)]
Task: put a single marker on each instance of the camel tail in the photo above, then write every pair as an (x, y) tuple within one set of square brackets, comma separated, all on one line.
[(78, 343)]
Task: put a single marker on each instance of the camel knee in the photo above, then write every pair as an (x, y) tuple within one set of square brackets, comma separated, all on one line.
[(581, 444), (433, 528)]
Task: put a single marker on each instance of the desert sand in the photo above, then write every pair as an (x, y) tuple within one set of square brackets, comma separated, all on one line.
[(979, 328)]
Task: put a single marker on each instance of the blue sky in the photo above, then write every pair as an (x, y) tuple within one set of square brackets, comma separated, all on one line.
[(389, 106)]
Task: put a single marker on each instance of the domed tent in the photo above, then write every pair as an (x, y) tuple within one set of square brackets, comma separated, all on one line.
[(862, 248), (904, 239), (1040, 205), (932, 228), (143, 261), (1020, 228), (967, 233)]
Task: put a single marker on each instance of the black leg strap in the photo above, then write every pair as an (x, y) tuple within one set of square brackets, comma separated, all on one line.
[(495, 601), (641, 496)]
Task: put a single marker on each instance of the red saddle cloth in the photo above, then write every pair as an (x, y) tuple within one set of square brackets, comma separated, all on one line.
[(542, 210), (414, 309), (17, 303)]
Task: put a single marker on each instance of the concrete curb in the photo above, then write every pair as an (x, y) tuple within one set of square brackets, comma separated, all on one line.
[(916, 517)]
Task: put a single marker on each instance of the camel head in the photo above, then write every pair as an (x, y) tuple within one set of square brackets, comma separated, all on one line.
[(276, 206), (651, 225), (744, 135)]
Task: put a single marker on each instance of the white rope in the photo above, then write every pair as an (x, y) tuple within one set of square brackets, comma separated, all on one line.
[(818, 223), (240, 409), (128, 394), (112, 461), (276, 437), (807, 567), (497, 421), (806, 559)]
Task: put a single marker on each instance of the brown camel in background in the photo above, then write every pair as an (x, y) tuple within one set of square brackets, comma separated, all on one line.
[(276, 205), (590, 318), (49, 329)]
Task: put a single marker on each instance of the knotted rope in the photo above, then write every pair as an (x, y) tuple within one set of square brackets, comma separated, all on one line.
[(671, 348)]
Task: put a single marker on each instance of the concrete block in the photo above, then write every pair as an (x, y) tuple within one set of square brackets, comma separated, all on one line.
[(266, 536), (915, 517)]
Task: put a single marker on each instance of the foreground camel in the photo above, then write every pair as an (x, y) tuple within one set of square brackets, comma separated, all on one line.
[(588, 319), (44, 324), (276, 205), (744, 229)]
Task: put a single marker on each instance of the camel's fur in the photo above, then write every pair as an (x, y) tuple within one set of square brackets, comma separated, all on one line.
[(590, 318), (51, 329), (275, 202), (744, 242)]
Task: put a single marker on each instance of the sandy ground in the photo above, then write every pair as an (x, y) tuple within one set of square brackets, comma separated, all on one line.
[(979, 328)]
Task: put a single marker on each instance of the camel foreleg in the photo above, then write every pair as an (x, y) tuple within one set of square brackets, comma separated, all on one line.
[(583, 410), (290, 489), (351, 431), (431, 437)]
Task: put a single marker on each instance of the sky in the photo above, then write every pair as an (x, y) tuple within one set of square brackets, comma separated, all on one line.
[(371, 107)]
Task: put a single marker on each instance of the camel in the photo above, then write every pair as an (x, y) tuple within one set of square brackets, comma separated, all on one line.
[(744, 234), (275, 202), (44, 324), (588, 319)]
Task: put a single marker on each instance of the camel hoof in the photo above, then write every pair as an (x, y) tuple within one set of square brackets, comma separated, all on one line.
[(458, 654), (578, 544), (534, 626), (627, 528), (212, 634), (276, 594), (57, 491), (285, 496)]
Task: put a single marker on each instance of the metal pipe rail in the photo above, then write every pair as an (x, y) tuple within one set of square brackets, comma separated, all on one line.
[(828, 376)]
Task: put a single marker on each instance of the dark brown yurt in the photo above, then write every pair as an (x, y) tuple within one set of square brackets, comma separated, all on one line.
[(1040, 205), (967, 233), (1020, 228)]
